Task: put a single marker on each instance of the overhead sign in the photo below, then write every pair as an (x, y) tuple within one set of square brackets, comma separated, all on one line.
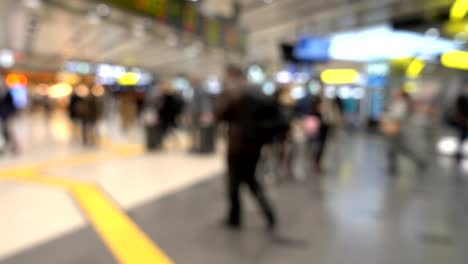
[(340, 76), (455, 59), (184, 16)]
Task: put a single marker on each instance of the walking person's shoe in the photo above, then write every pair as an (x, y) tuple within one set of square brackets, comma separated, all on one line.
[(235, 226)]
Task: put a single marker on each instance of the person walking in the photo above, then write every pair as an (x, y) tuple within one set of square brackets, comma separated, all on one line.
[(324, 115), (393, 124), (461, 120), (7, 110), (240, 109), (169, 107)]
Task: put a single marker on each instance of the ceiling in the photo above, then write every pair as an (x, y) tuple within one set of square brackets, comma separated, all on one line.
[(61, 30)]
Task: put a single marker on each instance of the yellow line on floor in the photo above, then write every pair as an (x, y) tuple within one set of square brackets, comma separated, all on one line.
[(122, 236), (77, 160), (128, 243)]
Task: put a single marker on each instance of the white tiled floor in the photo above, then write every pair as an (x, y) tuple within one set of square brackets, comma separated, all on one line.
[(32, 214), (135, 180)]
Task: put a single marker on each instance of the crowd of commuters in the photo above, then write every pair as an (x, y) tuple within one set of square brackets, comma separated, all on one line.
[(255, 122)]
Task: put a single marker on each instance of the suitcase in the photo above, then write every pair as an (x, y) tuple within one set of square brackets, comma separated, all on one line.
[(154, 138), (207, 139)]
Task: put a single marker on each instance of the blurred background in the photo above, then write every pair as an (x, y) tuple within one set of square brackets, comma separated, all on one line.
[(110, 112)]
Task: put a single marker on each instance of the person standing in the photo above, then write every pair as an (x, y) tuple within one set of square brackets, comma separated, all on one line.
[(201, 113), (324, 115), (7, 110), (461, 120), (73, 112), (237, 107), (127, 110), (393, 124), (169, 106)]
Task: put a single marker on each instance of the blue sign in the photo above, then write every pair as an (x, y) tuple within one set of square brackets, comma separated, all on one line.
[(312, 49)]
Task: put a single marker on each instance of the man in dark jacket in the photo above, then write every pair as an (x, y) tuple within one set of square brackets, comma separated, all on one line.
[(169, 107), (236, 108), (461, 119), (7, 109)]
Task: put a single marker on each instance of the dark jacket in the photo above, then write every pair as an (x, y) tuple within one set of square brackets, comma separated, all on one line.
[(169, 107), (7, 106), (253, 118), (461, 111), (73, 111)]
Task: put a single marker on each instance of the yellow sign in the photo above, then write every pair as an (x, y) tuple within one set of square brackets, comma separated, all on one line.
[(455, 59), (340, 76), (129, 78), (459, 10), (415, 68)]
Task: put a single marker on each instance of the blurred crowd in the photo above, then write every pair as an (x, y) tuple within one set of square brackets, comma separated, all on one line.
[(260, 129)]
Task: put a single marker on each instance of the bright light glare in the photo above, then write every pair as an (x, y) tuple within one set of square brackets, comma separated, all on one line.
[(213, 85), (344, 92), (298, 92), (448, 146), (383, 43), (7, 59), (60, 90), (340, 76), (330, 91), (283, 77), (456, 59), (269, 88), (459, 9), (255, 74)]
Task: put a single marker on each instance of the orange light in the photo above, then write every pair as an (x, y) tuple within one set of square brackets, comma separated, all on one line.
[(14, 80), (98, 90)]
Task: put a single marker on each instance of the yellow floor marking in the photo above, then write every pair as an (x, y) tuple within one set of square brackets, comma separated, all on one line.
[(122, 148), (345, 173), (122, 236), (128, 243), (74, 161)]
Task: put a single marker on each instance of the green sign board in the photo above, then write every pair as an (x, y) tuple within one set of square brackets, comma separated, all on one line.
[(185, 16)]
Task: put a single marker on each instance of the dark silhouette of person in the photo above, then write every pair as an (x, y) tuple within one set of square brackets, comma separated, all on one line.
[(169, 107), (7, 110), (239, 109), (461, 120)]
